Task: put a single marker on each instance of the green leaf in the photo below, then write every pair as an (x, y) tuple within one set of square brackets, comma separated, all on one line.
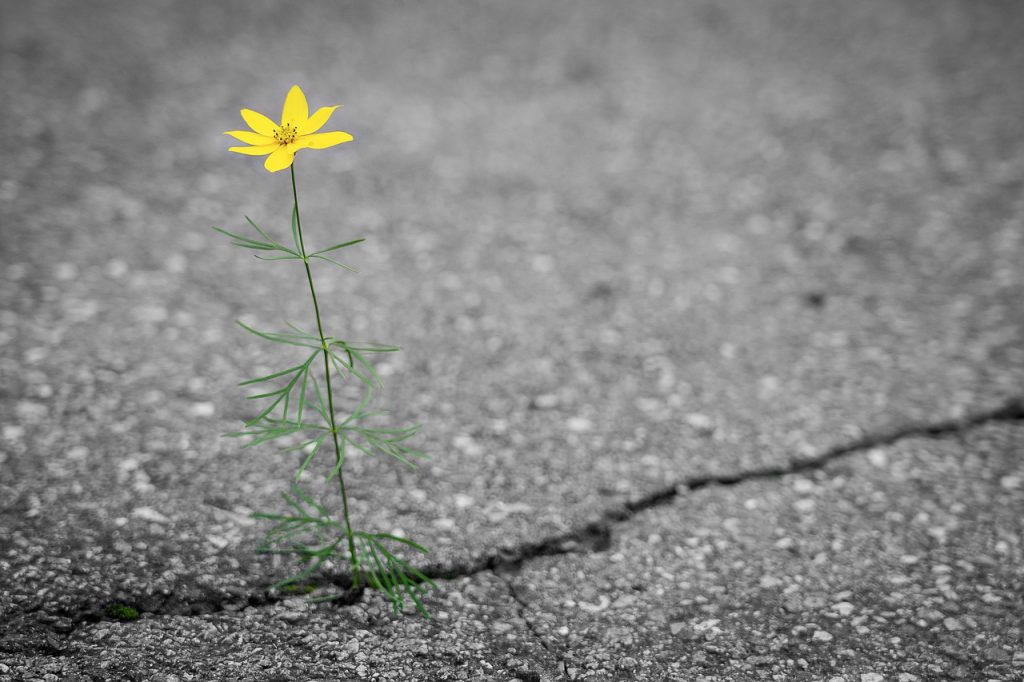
[(270, 517), (309, 458), (321, 557), (320, 407), (373, 377), (283, 394), (301, 333), (270, 245), (373, 348), (337, 246), (381, 573), (275, 426), (294, 504), (363, 449), (387, 441), (268, 377), (302, 396), (276, 337), (392, 575), (284, 532), (331, 260), (358, 413), (371, 577), (405, 541), (312, 441), (419, 603), (279, 257), (309, 500), (269, 238), (388, 580), (421, 577), (344, 370), (245, 242)]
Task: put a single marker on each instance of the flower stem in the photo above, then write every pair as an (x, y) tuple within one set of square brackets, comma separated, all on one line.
[(356, 577)]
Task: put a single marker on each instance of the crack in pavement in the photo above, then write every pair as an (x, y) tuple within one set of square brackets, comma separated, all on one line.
[(595, 536), (521, 607)]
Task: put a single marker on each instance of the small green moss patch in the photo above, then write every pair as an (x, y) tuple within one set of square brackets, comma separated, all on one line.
[(121, 611), (302, 588)]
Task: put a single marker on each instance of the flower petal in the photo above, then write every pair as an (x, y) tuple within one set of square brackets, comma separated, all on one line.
[(317, 120), (258, 122), (280, 159), (295, 111), (323, 140), (249, 137), (258, 150)]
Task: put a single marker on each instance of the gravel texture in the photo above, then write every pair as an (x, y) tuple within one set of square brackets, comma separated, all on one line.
[(476, 633), (899, 560), (621, 247)]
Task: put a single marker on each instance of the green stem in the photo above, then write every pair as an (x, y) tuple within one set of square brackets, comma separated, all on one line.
[(330, 395)]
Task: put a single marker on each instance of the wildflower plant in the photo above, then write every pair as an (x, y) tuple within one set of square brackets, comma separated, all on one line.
[(299, 400)]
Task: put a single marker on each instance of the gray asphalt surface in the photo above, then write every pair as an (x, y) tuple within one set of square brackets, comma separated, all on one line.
[(622, 247)]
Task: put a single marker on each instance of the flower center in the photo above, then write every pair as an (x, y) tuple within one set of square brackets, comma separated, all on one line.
[(286, 134)]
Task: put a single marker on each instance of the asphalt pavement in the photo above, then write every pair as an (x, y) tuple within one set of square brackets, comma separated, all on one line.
[(712, 313)]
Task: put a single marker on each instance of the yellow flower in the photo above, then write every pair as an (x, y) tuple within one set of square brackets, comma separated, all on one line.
[(296, 131)]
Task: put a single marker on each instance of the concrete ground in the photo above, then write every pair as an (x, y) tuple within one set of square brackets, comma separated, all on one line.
[(712, 312)]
